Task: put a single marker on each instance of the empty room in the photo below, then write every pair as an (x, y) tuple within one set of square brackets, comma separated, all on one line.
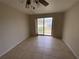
[(39, 29)]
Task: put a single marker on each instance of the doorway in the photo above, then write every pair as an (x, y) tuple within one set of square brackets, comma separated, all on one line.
[(44, 26)]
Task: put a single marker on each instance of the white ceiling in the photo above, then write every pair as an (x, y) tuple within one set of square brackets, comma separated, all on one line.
[(54, 6)]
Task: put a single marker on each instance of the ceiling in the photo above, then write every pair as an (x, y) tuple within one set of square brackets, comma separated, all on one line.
[(54, 6)]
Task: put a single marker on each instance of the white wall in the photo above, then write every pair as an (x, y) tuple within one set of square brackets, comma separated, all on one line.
[(13, 28), (71, 29)]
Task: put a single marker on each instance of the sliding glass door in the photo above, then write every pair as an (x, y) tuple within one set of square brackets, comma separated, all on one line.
[(44, 26)]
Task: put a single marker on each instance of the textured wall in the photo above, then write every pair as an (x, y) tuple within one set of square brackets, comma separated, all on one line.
[(71, 29), (13, 28)]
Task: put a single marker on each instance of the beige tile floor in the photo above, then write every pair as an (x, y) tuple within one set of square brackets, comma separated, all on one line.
[(40, 47)]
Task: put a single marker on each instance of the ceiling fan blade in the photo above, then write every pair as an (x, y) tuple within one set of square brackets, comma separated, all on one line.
[(28, 2), (44, 2)]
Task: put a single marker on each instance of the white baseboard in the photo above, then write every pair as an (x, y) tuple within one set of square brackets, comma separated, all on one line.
[(11, 47), (71, 49), (8, 49)]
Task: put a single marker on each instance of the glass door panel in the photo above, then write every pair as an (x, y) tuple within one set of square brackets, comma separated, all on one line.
[(40, 26), (47, 26)]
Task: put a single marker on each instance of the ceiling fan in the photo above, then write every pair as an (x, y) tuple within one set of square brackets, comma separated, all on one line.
[(29, 2)]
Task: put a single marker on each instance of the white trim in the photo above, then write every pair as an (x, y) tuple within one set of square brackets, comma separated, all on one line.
[(12, 47), (71, 49), (8, 50)]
